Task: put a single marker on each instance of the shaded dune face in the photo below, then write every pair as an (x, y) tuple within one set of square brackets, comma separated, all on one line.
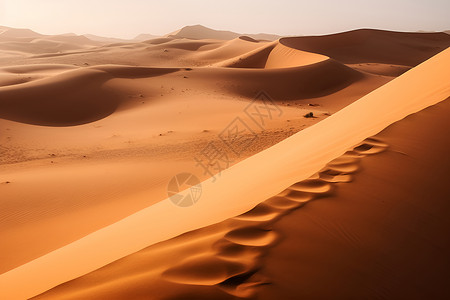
[(68, 99), (310, 81), (80, 96), (71, 99), (373, 46)]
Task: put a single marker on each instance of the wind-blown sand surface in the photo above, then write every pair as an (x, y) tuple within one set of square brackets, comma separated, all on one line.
[(92, 135), (373, 226), (386, 235)]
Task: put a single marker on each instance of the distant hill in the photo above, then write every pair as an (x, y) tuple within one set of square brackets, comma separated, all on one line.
[(73, 39), (145, 37), (19, 35), (106, 40), (110, 40), (201, 32), (7, 32), (264, 36)]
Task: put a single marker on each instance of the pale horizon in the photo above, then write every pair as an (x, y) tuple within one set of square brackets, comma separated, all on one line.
[(285, 17)]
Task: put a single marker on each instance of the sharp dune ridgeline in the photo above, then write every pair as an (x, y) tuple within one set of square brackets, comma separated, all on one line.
[(344, 166)]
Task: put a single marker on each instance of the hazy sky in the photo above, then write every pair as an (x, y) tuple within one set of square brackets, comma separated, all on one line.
[(128, 18)]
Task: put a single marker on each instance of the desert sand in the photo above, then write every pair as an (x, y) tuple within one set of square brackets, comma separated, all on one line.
[(93, 129)]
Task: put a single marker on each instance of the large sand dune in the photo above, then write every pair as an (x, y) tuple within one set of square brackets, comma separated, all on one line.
[(92, 129), (368, 45)]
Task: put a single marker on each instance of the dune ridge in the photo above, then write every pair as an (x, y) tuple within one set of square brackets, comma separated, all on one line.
[(227, 264), (423, 86), (228, 260), (366, 45), (386, 235), (250, 238), (284, 57)]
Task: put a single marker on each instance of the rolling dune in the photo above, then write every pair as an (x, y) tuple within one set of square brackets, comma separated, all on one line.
[(328, 144), (48, 102), (92, 129), (227, 260), (397, 201)]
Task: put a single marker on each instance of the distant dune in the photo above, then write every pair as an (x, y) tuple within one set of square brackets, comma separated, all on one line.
[(7, 32), (106, 40), (202, 32), (24, 41), (26, 35), (224, 261), (145, 37)]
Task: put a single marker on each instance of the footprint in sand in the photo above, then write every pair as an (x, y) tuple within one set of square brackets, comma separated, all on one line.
[(261, 213), (370, 146), (233, 261), (252, 236), (204, 270), (282, 203), (315, 186)]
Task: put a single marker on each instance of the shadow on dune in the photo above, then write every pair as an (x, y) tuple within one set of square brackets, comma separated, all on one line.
[(310, 81), (71, 98)]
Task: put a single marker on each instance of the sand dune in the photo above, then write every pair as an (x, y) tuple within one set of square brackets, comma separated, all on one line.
[(224, 264), (145, 37), (23, 42), (363, 229), (77, 40), (92, 129), (232, 48), (202, 32), (148, 111), (46, 101), (106, 40), (295, 164), (368, 45), (407, 51), (285, 57), (13, 33), (294, 83), (253, 59), (136, 110)]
